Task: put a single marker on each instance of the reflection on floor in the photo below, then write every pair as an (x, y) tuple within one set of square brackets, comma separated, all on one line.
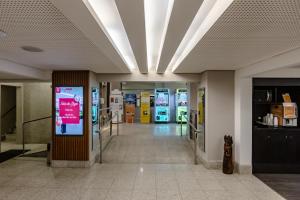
[(288, 185), (137, 179), (149, 143)]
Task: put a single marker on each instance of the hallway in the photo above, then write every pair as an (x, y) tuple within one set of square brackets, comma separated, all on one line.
[(150, 144), (145, 162)]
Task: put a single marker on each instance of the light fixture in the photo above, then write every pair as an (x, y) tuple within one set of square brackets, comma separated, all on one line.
[(157, 16), (207, 15), (32, 49), (2, 34), (108, 17)]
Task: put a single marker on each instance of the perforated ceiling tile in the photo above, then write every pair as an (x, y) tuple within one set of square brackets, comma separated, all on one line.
[(248, 31), (39, 23)]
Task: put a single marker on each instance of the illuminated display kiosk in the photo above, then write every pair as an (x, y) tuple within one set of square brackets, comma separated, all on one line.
[(181, 104), (145, 108), (116, 103), (162, 109)]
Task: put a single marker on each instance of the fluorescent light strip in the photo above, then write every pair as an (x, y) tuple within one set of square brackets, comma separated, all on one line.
[(157, 17), (108, 17), (207, 15)]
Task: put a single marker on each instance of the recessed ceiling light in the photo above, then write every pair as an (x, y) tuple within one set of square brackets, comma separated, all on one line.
[(207, 15), (157, 17), (2, 34), (31, 49), (108, 17)]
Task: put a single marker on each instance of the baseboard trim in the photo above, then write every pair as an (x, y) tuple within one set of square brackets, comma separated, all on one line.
[(70, 164), (243, 169)]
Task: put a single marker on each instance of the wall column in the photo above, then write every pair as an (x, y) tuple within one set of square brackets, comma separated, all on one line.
[(243, 126), (71, 151)]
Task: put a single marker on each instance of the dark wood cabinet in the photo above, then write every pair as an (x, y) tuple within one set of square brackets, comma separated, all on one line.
[(276, 150)]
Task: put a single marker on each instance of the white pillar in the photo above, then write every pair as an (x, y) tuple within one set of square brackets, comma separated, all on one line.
[(243, 123)]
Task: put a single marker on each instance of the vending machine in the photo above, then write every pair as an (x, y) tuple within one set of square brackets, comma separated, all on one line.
[(145, 108), (130, 102), (162, 102), (116, 103), (181, 104)]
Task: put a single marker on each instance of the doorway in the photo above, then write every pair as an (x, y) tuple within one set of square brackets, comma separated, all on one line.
[(8, 118)]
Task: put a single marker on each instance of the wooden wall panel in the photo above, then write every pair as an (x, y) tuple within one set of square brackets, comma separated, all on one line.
[(74, 148)]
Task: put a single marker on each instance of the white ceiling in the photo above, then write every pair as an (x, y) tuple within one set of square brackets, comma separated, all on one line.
[(38, 23), (248, 31)]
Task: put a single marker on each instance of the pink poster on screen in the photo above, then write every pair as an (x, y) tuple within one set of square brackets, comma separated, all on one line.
[(69, 111)]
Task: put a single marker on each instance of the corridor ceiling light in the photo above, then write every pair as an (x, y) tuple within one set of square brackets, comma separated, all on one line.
[(157, 16), (108, 17), (207, 15)]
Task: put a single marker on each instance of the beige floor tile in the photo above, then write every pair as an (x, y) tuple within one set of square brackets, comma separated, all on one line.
[(149, 194), (119, 195), (146, 162)]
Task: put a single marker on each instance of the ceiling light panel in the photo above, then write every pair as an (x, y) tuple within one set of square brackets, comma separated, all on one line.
[(108, 17), (207, 15), (157, 17)]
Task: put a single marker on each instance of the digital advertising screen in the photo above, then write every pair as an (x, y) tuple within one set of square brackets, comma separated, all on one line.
[(95, 105), (69, 110)]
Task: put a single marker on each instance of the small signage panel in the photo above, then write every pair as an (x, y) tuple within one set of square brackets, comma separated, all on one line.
[(69, 110)]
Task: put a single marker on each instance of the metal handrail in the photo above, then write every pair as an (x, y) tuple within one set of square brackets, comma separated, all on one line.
[(34, 120), (27, 122), (101, 109), (100, 133), (196, 131), (7, 112)]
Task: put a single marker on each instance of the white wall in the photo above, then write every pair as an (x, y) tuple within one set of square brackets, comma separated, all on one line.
[(37, 102), (219, 114)]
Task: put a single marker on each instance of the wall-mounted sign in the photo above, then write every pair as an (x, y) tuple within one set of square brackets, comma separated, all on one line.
[(69, 110)]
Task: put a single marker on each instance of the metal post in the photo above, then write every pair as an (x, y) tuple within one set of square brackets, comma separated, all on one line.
[(100, 140), (110, 124), (181, 124), (117, 123), (195, 147), (23, 138)]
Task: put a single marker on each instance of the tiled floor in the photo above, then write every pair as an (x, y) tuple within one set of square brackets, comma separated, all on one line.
[(123, 178)]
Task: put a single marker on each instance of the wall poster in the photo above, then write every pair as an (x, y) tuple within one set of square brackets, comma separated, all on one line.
[(201, 117)]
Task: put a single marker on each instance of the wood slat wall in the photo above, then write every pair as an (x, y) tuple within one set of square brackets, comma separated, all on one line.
[(75, 148)]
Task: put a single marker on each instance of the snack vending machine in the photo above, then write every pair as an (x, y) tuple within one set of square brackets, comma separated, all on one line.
[(145, 108), (181, 104), (116, 103), (162, 109)]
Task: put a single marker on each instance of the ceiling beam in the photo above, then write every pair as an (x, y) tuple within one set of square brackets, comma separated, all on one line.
[(77, 12), (285, 59), (23, 71), (150, 77), (132, 14), (182, 16)]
